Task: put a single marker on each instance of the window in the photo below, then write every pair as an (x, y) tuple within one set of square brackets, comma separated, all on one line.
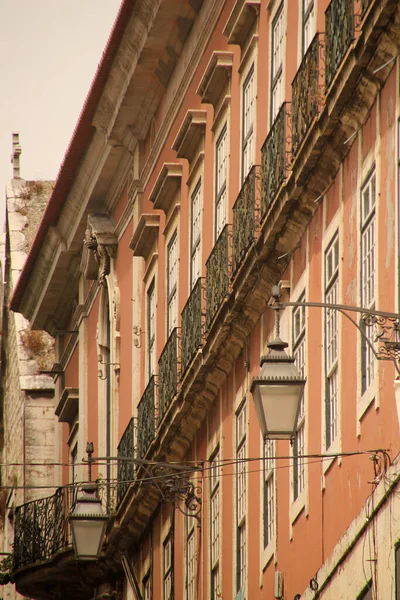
[(147, 586), (214, 525), (368, 195), (331, 341), (248, 105), (151, 329), (277, 63), (172, 282), (299, 347), (74, 455), (308, 23), (190, 560), (241, 493), (168, 568), (221, 168), (269, 491), (195, 235)]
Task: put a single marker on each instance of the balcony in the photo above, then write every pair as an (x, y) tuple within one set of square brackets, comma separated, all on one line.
[(307, 92), (40, 529), (339, 33), (192, 325), (244, 217), (146, 418), (126, 470), (217, 275), (274, 157), (168, 374)]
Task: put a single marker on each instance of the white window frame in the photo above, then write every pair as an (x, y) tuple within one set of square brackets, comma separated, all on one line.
[(190, 559), (151, 328), (241, 501), (146, 584), (299, 443), (215, 529), (248, 121), (172, 282), (221, 179), (368, 232), (168, 567), (307, 24), (196, 207), (331, 344), (269, 493), (277, 61)]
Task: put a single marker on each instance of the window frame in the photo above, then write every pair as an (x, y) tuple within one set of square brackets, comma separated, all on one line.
[(215, 500), (151, 328), (277, 77), (168, 570), (269, 499), (195, 243), (241, 497), (299, 351), (248, 134), (307, 18), (172, 292), (368, 231), (190, 559), (331, 345), (221, 188)]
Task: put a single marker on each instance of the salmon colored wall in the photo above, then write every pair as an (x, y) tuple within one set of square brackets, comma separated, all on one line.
[(71, 373)]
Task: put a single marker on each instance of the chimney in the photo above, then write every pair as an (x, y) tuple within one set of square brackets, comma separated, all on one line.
[(15, 155)]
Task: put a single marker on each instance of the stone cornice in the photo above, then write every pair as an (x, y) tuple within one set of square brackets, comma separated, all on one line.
[(145, 235), (241, 20), (166, 186), (216, 77), (191, 134)]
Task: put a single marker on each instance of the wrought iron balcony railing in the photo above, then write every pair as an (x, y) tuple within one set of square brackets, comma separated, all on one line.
[(192, 325), (339, 33), (40, 529), (274, 156), (146, 418), (168, 374), (217, 275), (244, 217), (126, 470), (306, 92)]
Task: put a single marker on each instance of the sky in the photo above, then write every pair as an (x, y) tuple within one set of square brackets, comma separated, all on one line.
[(49, 52)]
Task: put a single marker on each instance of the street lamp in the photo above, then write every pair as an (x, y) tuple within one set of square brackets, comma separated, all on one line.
[(88, 524), (277, 393)]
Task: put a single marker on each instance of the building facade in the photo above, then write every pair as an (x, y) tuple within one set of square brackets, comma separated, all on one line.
[(227, 146)]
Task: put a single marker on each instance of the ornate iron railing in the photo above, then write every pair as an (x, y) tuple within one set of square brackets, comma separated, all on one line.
[(339, 32), (126, 470), (168, 374), (306, 92), (40, 529), (274, 156), (244, 217), (192, 325), (146, 419), (217, 275)]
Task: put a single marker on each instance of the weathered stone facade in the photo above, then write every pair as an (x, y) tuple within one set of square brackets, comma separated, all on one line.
[(28, 415)]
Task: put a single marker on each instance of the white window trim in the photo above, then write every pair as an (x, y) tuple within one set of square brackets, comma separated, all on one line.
[(279, 5), (224, 124), (302, 501), (197, 181), (174, 234), (336, 445), (241, 398), (251, 64), (371, 394)]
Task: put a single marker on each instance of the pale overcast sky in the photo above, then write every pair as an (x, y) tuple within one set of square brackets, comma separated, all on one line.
[(49, 52)]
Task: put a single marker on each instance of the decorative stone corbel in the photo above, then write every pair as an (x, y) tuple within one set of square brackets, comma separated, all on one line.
[(101, 242)]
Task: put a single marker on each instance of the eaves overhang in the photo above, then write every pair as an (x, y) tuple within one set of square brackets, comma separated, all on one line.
[(116, 115)]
